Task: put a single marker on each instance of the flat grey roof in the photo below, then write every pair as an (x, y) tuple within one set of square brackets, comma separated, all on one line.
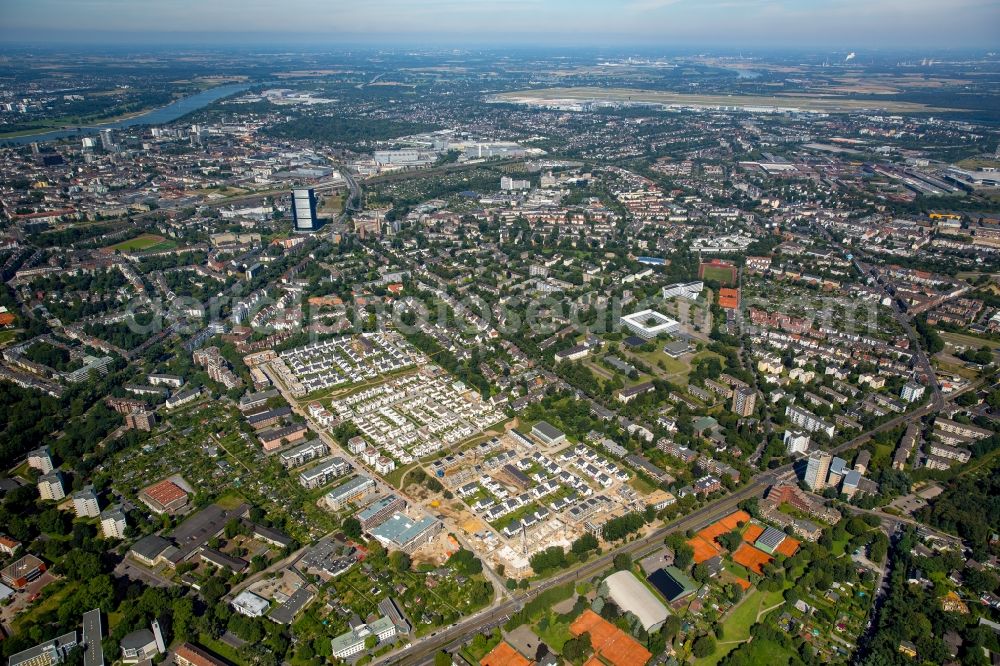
[(59, 644), (547, 430), (286, 612), (93, 654)]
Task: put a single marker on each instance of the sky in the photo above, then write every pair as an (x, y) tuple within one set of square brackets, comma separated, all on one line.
[(843, 24)]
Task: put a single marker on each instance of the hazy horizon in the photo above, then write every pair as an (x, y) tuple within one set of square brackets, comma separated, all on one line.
[(761, 24)]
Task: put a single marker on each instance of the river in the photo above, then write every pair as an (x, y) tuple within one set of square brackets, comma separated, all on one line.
[(160, 116)]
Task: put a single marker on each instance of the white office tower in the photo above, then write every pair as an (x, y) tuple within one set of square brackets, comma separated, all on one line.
[(304, 209)]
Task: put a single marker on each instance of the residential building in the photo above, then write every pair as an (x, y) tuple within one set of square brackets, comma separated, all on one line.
[(744, 401), (379, 511), (113, 523), (349, 492), (303, 453), (796, 441), (949, 452), (49, 653), (805, 419), (817, 470), (253, 401), (324, 472), (182, 398), (85, 503), (630, 393), (911, 392), (50, 487), (172, 381), (141, 419), (41, 459)]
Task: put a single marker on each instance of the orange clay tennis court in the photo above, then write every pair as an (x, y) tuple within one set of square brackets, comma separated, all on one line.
[(788, 547), (703, 550), (743, 583), (753, 532), (504, 655), (615, 646), (723, 525), (751, 558), (703, 542)]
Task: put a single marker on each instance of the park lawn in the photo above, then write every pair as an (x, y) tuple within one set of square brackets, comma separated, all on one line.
[(768, 652), (224, 650), (673, 369), (882, 456), (143, 242), (395, 477), (230, 501), (7, 337), (641, 485), (555, 633), (839, 546)]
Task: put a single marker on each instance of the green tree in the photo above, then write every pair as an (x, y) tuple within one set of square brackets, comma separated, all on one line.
[(351, 527), (703, 646)]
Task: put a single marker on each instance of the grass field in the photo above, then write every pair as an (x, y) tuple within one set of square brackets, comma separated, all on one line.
[(723, 276), (230, 501), (145, 242), (969, 341), (827, 103), (955, 368), (641, 485), (7, 336)]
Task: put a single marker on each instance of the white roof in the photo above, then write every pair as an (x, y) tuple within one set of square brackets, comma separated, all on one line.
[(251, 602), (631, 595)]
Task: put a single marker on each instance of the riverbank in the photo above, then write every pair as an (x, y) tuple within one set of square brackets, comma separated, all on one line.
[(156, 116)]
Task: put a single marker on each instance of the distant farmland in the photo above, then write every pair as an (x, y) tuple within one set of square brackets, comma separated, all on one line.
[(803, 102)]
